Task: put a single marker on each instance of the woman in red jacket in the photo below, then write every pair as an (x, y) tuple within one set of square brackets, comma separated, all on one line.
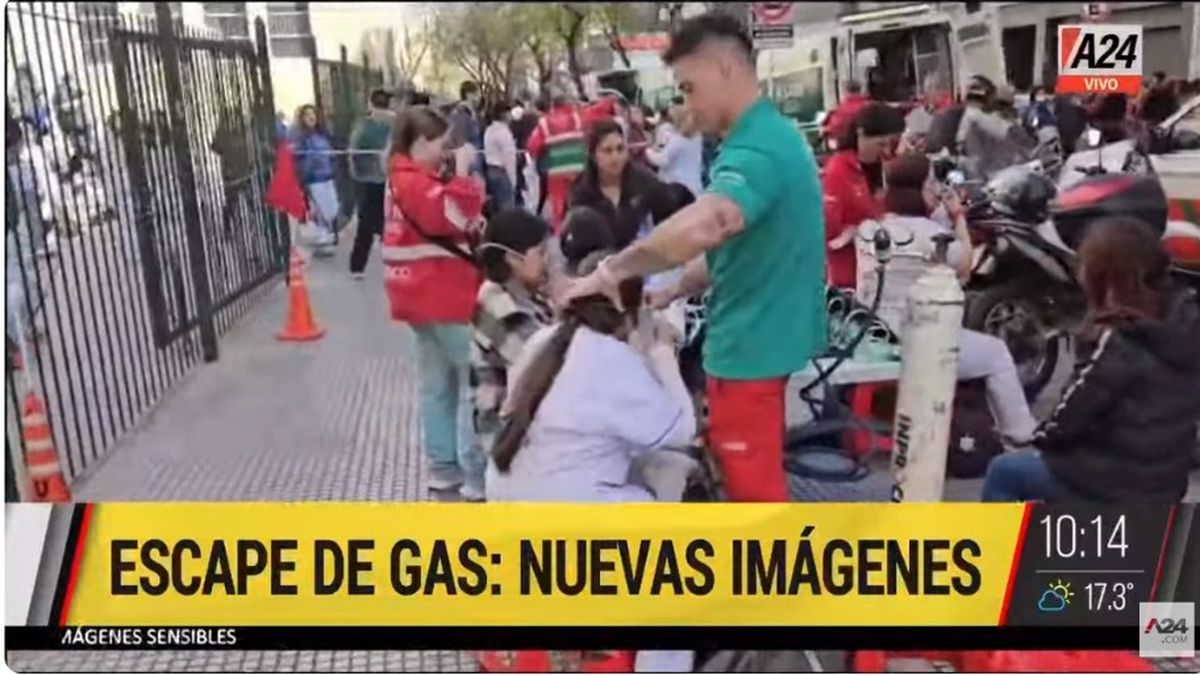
[(852, 181), (432, 284)]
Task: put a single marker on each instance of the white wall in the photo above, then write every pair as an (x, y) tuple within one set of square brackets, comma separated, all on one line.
[(25, 527)]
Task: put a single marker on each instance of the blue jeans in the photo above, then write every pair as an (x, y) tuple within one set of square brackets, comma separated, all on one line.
[(1020, 476), (447, 408), (499, 189)]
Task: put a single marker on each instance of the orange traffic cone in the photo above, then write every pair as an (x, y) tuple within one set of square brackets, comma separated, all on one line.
[(300, 326), (41, 460)]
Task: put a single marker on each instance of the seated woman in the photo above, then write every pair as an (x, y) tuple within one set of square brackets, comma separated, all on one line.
[(626, 194), (589, 395), (1125, 426), (909, 202), (510, 308)]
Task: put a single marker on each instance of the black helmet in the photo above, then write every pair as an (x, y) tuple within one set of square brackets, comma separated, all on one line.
[(1021, 193)]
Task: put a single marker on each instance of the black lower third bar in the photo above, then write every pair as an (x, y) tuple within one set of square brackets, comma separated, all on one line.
[(510, 637)]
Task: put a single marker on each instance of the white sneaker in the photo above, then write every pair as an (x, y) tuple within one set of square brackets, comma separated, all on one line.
[(443, 477), (472, 493), (358, 276)]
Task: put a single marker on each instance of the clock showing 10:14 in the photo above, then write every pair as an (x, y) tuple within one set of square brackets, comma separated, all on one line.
[(1067, 537)]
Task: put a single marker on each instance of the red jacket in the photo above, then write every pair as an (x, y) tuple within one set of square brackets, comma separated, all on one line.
[(566, 121), (844, 114), (425, 283), (848, 202)]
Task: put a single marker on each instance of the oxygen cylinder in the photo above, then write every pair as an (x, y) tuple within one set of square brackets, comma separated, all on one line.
[(928, 377)]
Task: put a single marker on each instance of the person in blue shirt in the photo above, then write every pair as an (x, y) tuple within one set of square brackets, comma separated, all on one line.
[(314, 164)]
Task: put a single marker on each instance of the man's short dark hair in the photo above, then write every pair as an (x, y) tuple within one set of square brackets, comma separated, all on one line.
[(467, 88), (381, 98), (694, 32), (853, 87)]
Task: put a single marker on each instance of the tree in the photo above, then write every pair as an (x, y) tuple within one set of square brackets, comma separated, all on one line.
[(484, 40), (616, 19), (571, 18), (410, 52), (619, 19)]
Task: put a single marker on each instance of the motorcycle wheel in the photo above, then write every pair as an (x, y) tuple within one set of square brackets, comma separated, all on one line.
[(1006, 311)]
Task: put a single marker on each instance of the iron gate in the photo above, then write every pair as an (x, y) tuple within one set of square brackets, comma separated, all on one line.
[(342, 89), (139, 153)]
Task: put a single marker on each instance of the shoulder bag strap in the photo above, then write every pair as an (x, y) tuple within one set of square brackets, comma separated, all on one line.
[(445, 243)]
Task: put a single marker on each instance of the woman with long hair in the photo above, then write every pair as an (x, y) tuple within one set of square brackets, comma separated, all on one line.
[(314, 159), (511, 307), (432, 284), (625, 193), (1125, 426), (590, 394), (852, 180), (913, 209)]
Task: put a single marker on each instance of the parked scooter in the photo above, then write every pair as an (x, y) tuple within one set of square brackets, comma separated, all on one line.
[(1023, 287)]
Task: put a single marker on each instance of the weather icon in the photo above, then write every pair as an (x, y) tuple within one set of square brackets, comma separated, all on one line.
[(1056, 598)]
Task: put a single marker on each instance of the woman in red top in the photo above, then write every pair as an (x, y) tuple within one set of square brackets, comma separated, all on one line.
[(852, 180), (432, 284)]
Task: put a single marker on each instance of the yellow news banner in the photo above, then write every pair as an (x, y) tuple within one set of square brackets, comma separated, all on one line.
[(520, 564)]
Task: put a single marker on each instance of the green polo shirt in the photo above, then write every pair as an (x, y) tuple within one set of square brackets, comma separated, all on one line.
[(766, 316)]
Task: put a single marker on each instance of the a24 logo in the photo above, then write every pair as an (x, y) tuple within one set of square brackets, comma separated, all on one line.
[(1110, 50), (1167, 626)]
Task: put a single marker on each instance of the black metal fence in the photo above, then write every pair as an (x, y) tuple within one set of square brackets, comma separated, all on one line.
[(342, 89), (137, 161)]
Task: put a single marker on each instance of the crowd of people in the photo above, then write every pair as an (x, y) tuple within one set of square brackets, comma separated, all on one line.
[(536, 251)]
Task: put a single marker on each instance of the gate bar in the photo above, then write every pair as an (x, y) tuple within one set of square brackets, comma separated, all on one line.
[(183, 161)]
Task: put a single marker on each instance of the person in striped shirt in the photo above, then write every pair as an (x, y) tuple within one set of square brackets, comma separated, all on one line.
[(509, 310)]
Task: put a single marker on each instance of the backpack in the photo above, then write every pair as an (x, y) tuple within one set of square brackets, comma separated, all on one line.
[(973, 438)]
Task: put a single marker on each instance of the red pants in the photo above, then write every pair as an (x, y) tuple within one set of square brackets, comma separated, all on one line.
[(746, 428), (558, 189)]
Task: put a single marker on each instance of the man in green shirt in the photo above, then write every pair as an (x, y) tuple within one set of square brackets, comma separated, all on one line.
[(368, 166), (756, 237)]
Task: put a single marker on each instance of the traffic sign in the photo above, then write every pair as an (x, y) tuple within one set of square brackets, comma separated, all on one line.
[(771, 25), (1099, 59)]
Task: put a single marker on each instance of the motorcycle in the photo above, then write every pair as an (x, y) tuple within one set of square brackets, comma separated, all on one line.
[(1023, 287)]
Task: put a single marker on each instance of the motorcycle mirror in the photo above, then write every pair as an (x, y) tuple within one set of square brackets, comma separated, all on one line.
[(1093, 137)]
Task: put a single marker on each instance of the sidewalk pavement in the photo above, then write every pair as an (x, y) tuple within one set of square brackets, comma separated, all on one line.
[(334, 419)]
